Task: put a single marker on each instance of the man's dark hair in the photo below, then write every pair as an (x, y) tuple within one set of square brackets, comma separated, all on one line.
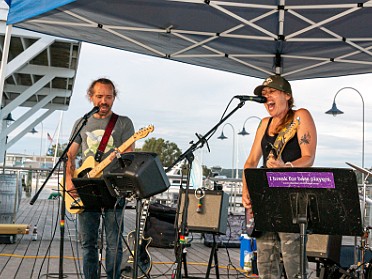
[(103, 81)]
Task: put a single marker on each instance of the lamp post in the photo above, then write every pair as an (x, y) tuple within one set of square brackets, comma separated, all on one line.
[(8, 120), (33, 131), (235, 151), (243, 132), (335, 111)]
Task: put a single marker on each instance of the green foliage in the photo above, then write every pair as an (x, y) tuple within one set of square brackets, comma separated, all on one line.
[(167, 151), (61, 148), (206, 171)]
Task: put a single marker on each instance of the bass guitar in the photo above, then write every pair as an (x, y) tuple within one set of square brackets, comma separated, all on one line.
[(91, 168), (144, 258), (276, 151)]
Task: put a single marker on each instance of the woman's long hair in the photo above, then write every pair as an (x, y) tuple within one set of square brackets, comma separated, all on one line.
[(289, 116)]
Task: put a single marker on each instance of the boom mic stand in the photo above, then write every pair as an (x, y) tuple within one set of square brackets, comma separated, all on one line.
[(189, 156), (63, 159)]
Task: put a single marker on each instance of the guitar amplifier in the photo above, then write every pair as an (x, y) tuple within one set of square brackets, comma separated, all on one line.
[(324, 248), (212, 216)]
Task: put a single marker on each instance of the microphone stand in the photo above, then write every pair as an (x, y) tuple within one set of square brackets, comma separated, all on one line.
[(189, 156), (63, 158)]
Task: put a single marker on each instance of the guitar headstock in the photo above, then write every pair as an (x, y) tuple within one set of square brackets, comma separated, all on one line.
[(143, 132), (292, 129)]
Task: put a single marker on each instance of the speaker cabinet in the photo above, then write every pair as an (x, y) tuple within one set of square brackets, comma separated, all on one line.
[(139, 172), (212, 216), (324, 248)]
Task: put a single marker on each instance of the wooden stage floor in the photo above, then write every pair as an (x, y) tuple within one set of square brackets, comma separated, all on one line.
[(40, 259)]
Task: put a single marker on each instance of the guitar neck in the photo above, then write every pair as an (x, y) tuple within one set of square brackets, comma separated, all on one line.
[(283, 138), (101, 166), (145, 209)]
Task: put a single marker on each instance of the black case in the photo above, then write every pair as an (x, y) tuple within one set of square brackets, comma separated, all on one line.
[(160, 225)]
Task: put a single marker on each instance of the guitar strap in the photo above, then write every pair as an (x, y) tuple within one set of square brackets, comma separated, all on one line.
[(105, 138)]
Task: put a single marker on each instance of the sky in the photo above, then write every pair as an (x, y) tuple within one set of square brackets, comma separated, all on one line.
[(183, 100)]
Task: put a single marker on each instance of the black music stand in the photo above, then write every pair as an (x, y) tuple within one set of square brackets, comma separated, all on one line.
[(94, 193), (305, 200), (95, 196)]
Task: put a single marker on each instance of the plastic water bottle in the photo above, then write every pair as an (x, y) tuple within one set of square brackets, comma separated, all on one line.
[(248, 256), (34, 233)]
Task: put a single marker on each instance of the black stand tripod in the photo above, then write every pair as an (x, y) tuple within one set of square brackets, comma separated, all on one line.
[(214, 256), (100, 243), (189, 156), (63, 158), (95, 196), (301, 218)]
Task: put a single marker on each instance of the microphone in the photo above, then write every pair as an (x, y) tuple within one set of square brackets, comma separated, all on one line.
[(258, 99), (93, 111)]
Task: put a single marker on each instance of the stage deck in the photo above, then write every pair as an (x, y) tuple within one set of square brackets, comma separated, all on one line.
[(26, 258), (40, 259)]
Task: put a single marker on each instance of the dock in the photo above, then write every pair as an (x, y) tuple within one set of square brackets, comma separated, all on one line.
[(40, 258), (30, 256)]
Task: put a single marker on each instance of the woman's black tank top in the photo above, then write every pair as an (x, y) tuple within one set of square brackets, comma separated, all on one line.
[(291, 151)]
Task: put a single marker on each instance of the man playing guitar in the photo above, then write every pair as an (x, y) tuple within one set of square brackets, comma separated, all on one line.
[(102, 94)]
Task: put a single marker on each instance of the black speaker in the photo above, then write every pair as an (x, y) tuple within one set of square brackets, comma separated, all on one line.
[(324, 248), (212, 216), (139, 172)]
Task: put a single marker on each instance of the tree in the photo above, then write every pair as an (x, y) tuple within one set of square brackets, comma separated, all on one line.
[(167, 151), (206, 171), (61, 148)]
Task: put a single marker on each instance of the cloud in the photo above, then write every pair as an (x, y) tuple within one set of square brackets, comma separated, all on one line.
[(181, 100)]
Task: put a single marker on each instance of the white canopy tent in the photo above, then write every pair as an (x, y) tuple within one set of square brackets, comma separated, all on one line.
[(321, 38)]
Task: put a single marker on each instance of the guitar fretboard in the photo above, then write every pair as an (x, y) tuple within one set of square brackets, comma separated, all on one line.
[(145, 209), (101, 166)]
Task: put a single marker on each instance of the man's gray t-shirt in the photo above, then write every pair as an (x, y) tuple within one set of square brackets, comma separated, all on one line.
[(92, 133)]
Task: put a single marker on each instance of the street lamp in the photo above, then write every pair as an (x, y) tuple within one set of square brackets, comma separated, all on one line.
[(34, 131), (243, 132), (335, 111), (8, 120), (235, 151)]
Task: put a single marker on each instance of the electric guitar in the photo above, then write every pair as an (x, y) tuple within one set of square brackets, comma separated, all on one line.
[(276, 151), (144, 258), (91, 168)]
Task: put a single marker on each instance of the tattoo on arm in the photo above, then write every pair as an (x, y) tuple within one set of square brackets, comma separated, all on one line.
[(305, 139)]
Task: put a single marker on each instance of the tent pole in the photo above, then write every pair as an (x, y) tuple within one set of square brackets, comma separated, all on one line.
[(4, 59)]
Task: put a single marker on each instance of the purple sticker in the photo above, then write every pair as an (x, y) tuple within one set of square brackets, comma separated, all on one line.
[(301, 179)]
